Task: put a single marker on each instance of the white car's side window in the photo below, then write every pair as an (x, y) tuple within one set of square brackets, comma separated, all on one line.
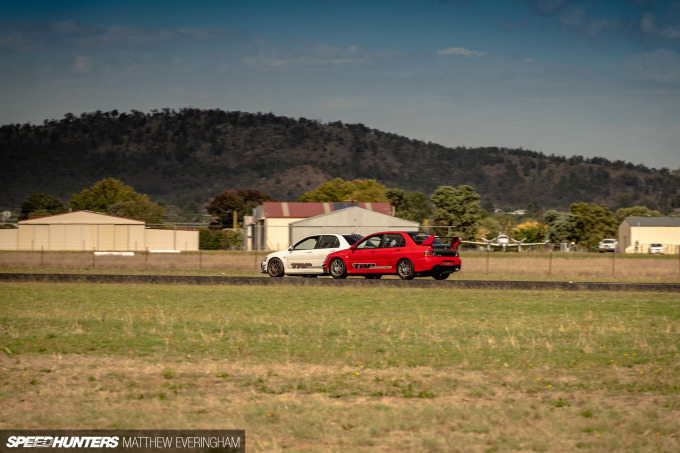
[(328, 242)]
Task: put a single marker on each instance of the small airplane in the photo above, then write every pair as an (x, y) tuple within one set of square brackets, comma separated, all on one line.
[(503, 241)]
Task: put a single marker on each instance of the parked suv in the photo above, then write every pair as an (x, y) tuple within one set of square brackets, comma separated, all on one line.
[(656, 248), (607, 245)]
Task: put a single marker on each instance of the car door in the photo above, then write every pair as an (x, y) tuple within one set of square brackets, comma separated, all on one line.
[(300, 257), (364, 258), (391, 249), (327, 243)]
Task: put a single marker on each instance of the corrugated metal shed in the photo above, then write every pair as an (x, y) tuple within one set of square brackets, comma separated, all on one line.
[(271, 209), (636, 234), (81, 217), (347, 221), (93, 231)]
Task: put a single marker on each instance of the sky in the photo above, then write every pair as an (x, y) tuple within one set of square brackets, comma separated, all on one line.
[(588, 78)]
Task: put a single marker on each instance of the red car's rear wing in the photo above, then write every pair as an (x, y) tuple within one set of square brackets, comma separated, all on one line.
[(455, 240)]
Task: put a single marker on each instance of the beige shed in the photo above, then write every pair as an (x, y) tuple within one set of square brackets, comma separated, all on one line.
[(93, 231), (649, 230)]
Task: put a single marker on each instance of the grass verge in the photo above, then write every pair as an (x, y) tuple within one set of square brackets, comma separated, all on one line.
[(332, 369)]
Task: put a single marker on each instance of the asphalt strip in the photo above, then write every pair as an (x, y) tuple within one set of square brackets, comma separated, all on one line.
[(329, 282)]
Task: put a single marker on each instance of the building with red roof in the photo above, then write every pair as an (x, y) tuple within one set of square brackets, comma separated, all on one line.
[(273, 224)]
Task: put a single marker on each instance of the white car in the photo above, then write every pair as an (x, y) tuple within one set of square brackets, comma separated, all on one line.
[(656, 248), (306, 257), (607, 245)]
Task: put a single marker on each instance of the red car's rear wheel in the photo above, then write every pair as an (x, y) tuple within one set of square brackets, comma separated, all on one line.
[(405, 269)]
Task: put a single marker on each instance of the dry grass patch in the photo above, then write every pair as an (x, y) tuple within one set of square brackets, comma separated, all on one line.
[(334, 369), (301, 407)]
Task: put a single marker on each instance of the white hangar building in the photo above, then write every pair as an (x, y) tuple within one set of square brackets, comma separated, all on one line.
[(649, 230), (275, 225), (93, 231)]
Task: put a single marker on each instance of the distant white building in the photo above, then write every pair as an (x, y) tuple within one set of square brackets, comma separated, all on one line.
[(93, 231), (275, 225), (649, 230), (353, 220)]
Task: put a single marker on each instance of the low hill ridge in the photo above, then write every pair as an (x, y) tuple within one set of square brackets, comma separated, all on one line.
[(193, 154)]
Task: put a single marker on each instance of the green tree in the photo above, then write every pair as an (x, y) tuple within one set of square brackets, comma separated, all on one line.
[(141, 208), (561, 227), (594, 222), (364, 190), (101, 196), (409, 205), (241, 202), (219, 239), (534, 211), (489, 228), (111, 196), (367, 190), (458, 208), (210, 240), (635, 211), (40, 204), (532, 231), (191, 212)]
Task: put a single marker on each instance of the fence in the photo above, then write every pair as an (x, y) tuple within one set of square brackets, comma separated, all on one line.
[(580, 266), (133, 260), (577, 265)]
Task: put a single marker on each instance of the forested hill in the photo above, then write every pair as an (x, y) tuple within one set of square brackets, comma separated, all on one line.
[(191, 154)]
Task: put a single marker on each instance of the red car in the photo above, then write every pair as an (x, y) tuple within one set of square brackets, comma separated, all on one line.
[(407, 254)]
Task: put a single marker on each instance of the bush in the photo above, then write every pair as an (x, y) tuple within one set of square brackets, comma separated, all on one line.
[(219, 239)]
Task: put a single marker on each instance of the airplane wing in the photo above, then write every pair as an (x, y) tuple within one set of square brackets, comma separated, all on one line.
[(476, 243)]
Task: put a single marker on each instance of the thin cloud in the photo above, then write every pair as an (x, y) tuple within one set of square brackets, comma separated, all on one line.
[(582, 19), (460, 51), (549, 7), (649, 25), (581, 23), (658, 66), (512, 26), (321, 57), (82, 65), (30, 37)]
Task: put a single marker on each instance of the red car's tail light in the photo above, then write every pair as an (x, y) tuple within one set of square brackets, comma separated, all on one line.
[(429, 252)]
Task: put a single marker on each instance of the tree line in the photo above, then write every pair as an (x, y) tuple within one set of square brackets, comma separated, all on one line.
[(457, 211), (449, 210)]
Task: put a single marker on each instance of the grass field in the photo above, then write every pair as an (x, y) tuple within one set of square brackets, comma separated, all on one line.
[(338, 369)]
